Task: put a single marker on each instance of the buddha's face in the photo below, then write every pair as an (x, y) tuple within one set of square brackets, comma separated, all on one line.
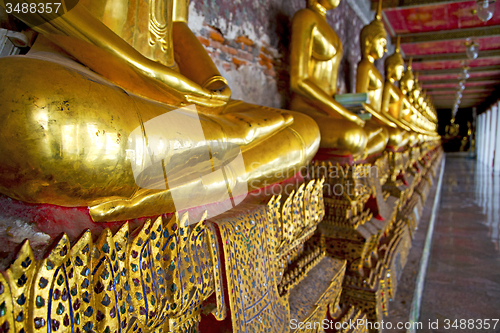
[(329, 4), (409, 84), (416, 92), (420, 100), (379, 44), (398, 72)]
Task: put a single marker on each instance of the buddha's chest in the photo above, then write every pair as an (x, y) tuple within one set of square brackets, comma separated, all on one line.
[(325, 43), (376, 81)]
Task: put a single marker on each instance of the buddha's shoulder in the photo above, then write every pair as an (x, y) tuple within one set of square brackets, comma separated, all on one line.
[(389, 85), (397, 90), (305, 14), (365, 64)]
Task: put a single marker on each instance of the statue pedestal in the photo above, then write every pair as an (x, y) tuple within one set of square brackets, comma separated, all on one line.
[(374, 239), (252, 268)]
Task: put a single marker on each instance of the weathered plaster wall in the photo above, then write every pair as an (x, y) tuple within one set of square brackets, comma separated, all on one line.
[(248, 41)]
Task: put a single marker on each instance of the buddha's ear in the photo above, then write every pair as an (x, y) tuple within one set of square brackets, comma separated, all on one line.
[(389, 73), (368, 45)]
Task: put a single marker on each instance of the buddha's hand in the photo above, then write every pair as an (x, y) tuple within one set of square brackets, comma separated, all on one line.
[(225, 91), (358, 121), (337, 109), (208, 98)]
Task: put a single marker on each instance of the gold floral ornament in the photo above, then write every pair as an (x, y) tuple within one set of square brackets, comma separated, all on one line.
[(260, 244), (151, 280)]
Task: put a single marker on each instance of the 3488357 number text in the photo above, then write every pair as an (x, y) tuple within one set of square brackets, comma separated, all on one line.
[(33, 8), (471, 324)]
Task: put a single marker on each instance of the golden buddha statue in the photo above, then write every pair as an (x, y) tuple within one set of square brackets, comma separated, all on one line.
[(422, 101), (91, 101), (417, 93), (411, 91), (316, 52), (406, 84), (393, 98), (452, 129), (373, 40), (410, 86)]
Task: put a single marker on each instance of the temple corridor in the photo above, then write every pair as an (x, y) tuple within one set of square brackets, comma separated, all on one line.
[(463, 276)]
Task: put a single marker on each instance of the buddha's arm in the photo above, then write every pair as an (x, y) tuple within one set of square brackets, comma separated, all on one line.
[(379, 116), (413, 126), (194, 61), (363, 82), (386, 98), (301, 53), (391, 96), (76, 29), (362, 77), (396, 121)]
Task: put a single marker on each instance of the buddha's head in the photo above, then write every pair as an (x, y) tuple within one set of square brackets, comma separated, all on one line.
[(421, 98), (424, 102), (407, 81), (326, 4), (373, 37), (394, 65), (416, 89)]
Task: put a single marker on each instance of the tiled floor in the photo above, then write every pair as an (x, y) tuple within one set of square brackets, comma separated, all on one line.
[(463, 276)]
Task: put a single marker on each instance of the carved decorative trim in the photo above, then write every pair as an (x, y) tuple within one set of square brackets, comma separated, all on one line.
[(154, 278)]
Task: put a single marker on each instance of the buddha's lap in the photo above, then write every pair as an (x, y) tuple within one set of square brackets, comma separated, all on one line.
[(336, 133), (397, 137)]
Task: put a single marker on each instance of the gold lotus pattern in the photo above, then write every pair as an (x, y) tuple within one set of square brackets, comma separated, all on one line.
[(153, 279)]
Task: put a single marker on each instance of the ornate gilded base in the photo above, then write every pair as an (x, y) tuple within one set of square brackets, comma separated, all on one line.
[(155, 278), (322, 287), (348, 319), (270, 262), (376, 249), (258, 258)]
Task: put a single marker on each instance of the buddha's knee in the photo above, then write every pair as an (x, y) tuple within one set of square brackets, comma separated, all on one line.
[(307, 129), (406, 138), (343, 135), (64, 145), (356, 139), (412, 139), (397, 137), (384, 135), (378, 142)]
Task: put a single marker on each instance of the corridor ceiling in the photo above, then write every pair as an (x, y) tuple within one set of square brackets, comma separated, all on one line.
[(434, 34)]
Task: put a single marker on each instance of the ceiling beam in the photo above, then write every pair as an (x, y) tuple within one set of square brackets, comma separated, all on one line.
[(461, 106), (463, 101), (453, 91), (452, 94), (475, 89), (410, 3), (453, 98), (452, 56), (458, 70), (486, 80), (464, 105), (433, 36)]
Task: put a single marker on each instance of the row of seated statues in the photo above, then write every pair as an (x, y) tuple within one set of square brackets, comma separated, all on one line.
[(121, 144)]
